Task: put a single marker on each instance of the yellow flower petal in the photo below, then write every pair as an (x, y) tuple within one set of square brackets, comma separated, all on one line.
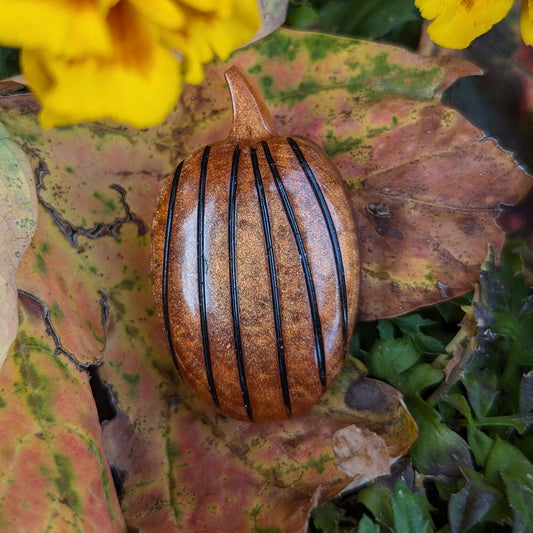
[(222, 9), (526, 22), (94, 59), (207, 35), (458, 22), (429, 9), (164, 13), (66, 28), (139, 85), (236, 30)]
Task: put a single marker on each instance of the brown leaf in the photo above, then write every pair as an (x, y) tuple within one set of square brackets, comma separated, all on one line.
[(426, 199), (239, 474), (360, 451), (371, 404)]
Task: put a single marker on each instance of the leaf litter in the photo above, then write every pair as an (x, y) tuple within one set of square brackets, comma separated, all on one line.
[(183, 466)]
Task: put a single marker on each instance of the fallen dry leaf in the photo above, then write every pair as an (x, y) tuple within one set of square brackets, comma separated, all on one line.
[(360, 452), (237, 475), (427, 197), (183, 466)]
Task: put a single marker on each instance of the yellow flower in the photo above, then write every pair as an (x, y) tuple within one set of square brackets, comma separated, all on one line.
[(456, 23), (120, 59), (526, 22)]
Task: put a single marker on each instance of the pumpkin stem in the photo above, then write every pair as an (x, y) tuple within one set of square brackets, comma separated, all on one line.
[(251, 118)]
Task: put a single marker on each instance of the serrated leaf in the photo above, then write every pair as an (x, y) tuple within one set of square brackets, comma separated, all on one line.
[(476, 503), (411, 510), (396, 360), (411, 327), (520, 498), (439, 451), (504, 322)]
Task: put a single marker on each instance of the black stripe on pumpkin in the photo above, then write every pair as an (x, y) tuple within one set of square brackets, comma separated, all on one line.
[(265, 218), (311, 292), (201, 277), (232, 245), (166, 259), (332, 233)]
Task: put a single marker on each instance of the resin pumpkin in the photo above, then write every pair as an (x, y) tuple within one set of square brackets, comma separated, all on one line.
[(255, 267)]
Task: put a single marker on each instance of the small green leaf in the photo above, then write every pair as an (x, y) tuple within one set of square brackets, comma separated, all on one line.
[(327, 516), (411, 327), (367, 526), (302, 17), (482, 386), (390, 358), (438, 451), (480, 444), (418, 378), (477, 502), (376, 497), (504, 458), (386, 330), (520, 499), (368, 19), (411, 510)]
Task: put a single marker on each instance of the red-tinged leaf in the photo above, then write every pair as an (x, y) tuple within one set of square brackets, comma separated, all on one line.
[(232, 475), (18, 213), (53, 472), (148, 441), (426, 185), (187, 468)]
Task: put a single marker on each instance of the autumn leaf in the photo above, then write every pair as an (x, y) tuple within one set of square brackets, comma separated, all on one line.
[(54, 475), (183, 466), (18, 213)]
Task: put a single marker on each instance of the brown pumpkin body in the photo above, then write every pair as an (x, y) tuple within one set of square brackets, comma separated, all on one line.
[(256, 273)]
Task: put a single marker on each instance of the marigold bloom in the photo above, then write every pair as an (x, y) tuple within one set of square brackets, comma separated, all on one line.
[(456, 23), (120, 59), (526, 22)]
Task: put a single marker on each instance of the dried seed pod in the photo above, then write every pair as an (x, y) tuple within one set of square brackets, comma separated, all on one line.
[(255, 267)]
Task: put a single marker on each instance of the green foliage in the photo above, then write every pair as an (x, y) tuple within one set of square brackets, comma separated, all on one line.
[(399, 508), (395, 21), (471, 469), (9, 62), (327, 517)]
